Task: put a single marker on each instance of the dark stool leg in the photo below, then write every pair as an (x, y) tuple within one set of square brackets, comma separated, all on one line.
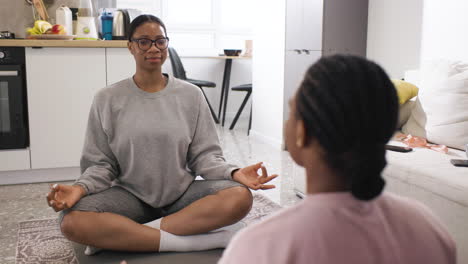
[(226, 79), (221, 98), (250, 120), (240, 110), (211, 108)]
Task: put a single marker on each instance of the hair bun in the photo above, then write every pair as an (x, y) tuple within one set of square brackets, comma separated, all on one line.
[(366, 182), (368, 189), (340, 97)]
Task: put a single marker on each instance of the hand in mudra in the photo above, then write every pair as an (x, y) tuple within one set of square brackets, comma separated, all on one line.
[(250, 178), (62, 197)]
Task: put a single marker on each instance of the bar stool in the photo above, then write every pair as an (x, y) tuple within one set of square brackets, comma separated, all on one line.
[(179, 72), (243, 88)]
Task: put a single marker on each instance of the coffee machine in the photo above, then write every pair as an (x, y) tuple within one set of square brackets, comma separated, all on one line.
[(122, 20)]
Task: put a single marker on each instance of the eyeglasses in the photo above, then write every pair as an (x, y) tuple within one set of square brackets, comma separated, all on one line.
[(145, 44)]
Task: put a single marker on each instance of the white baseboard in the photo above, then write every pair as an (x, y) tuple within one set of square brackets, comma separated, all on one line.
[(39, 175), (277, 144)]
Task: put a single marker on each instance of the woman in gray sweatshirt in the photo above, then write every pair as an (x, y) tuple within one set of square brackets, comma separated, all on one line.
[(148, 137)]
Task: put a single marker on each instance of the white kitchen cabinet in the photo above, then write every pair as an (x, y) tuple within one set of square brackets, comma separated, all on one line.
[(304, 24), (61, 83), (315, 28), (295, 66), (333, 26), (120, 64), (14, 159)]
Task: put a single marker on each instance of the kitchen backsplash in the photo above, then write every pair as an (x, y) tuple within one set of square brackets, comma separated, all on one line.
[(17, 15)]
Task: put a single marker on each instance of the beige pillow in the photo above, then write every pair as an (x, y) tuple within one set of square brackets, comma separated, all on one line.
[(416, 122), (405, 112), (440, 113)]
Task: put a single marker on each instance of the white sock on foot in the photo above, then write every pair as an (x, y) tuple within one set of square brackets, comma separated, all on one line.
[(218, 238), (212, 240), (155, 223), (92, 250), (234, 228)]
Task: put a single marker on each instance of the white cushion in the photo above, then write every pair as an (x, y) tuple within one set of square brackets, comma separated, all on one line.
[(440, 113), (430, 170), (429, 177)]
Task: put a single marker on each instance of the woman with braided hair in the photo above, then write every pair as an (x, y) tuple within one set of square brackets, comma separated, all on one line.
[(341, 117)]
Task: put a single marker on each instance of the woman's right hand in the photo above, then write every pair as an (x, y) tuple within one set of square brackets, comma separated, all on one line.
[(63, 197)]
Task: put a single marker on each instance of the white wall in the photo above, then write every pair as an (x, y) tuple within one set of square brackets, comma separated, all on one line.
[(445, 31), (394, 33), (268, 72), (213, 70)]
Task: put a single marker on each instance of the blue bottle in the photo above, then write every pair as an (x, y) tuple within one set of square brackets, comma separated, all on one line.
[(106, 22)]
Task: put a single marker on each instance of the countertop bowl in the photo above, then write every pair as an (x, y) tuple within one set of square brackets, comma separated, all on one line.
[(232, 52)]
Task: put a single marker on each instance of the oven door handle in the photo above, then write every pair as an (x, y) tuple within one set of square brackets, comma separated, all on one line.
[(8, 73)]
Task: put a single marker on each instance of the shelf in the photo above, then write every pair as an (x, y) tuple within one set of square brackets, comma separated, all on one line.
[(63, 43)]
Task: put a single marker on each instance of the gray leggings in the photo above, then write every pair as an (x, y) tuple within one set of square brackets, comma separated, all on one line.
[(117, 200)]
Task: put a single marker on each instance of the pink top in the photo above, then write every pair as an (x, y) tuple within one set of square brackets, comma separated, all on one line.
[(336, 228)]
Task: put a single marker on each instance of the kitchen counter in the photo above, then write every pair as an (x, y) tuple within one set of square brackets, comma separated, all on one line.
[(63, 43)]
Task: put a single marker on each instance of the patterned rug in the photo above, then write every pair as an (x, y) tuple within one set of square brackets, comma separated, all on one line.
[(41, 242)]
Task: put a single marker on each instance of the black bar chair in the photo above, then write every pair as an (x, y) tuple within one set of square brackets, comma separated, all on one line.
[(179, 72), (248, 89)]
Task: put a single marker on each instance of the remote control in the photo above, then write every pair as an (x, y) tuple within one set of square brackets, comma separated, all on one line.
[(459, 162), (398, 148)]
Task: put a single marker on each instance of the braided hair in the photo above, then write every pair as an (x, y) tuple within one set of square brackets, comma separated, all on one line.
[(350, 106)]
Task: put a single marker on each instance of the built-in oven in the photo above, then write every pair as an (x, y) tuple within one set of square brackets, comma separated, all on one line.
[(14, 131)]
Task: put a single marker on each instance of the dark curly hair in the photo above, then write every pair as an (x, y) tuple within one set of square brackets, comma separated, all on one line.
[(350, 106), (141, 19)]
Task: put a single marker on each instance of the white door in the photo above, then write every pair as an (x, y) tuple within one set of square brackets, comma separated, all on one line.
[(294, 24), (312, 25), (304, 19), (61, 83), (296, 64)]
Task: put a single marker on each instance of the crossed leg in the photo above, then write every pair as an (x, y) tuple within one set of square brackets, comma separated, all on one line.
[(116, 232)]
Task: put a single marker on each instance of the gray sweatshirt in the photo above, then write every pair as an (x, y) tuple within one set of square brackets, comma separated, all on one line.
[(151, 144)]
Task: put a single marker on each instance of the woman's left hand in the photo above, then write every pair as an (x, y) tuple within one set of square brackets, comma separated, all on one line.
[(250, 178)]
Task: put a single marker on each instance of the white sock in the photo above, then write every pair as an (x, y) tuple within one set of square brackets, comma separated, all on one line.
[(218, 238), (155, 223), (91, 250), (212, 240), (234, 228)]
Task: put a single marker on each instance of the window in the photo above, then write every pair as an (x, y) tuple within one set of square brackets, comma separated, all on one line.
[(237, 14), (188, 12), (202, 26), (148, 7)]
